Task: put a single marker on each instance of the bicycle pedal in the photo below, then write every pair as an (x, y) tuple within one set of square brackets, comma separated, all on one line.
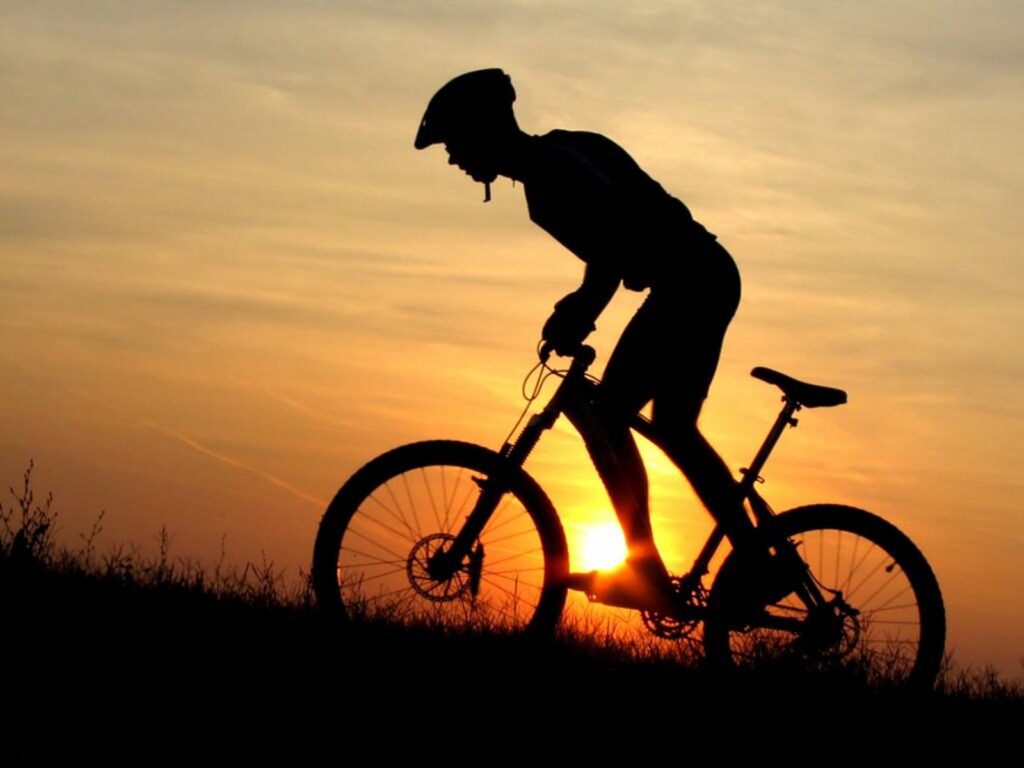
[(619, 591)]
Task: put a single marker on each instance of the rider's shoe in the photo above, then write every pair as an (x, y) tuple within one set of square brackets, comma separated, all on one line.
[(641, 583)]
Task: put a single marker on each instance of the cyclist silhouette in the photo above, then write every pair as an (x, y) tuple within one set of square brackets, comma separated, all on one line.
[(591, 196)]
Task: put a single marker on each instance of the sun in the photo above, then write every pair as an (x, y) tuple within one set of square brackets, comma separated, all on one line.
[(601, 547)]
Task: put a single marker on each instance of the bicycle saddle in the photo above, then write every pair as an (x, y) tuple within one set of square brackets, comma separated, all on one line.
[(808, 395)]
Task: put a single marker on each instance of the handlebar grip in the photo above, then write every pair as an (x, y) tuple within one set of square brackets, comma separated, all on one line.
[(584, 353)]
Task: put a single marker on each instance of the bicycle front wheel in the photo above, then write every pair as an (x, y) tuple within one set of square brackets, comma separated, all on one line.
[(379, 544), (881, 615)]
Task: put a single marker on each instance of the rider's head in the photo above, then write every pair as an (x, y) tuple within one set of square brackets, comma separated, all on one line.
[(472, 116)]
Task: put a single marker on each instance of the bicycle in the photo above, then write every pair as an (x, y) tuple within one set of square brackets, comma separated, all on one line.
[(451, 534)]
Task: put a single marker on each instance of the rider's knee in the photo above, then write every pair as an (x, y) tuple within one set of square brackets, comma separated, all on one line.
[(688, 442)]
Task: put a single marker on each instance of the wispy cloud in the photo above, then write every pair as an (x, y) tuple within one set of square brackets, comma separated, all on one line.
[(232, 462)]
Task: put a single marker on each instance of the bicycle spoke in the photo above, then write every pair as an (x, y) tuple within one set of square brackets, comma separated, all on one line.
[(878, 591), (444, 500), (839, 549), (901, 607), (494, 525), (511, 536), (375, 542), (516, 570), (364, 578), (376, 560), (430, 495), (500, 588), (853, 559), (412, 506), (399, 534), (853, 572), (514, 579), (492, 563), (472, 491), (400, 516), (877, 622)]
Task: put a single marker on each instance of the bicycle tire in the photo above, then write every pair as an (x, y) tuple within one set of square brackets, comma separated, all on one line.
[(888, 622), (374, 541)]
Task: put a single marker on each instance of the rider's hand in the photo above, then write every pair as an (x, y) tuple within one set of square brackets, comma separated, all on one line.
[(568, 325)]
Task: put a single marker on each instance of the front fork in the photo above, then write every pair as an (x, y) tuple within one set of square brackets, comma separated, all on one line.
[(466, 551)]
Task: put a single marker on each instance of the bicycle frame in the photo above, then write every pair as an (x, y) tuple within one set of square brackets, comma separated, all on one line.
[(575, 398)]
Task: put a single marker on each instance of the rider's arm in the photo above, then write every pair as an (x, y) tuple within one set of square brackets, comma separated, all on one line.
[(575, 314), (597, 289)]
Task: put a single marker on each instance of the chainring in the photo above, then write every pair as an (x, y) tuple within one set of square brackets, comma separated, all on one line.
[(692, 599)]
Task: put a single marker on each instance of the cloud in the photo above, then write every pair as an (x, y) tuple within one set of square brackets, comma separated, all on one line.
[(232, 462)]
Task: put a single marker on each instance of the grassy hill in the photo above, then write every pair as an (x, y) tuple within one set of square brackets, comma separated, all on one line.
[(125, 658)]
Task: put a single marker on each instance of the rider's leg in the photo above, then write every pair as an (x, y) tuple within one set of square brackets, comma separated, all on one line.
[(627, 385), (691, 315), (769, 578), (621, 469), (709, 476), (642, 581)]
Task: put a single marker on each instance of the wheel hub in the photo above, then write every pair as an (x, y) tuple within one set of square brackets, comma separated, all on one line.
[(834, 630), (434, 575), (430, 573)]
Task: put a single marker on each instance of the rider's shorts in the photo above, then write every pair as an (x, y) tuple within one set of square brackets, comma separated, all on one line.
[(669, 351)]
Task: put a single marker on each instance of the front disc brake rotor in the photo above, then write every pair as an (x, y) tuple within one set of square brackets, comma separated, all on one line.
[(429, 581)]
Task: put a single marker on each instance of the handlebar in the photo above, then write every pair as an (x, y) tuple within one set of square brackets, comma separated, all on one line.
[(584, 355)]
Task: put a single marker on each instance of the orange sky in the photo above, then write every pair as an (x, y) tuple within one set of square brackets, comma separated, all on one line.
[(229, 279)]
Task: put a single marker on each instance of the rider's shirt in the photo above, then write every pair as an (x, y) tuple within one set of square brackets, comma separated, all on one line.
[(591, 196)]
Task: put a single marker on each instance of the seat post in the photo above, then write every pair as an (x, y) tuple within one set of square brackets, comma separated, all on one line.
[(785, 419)]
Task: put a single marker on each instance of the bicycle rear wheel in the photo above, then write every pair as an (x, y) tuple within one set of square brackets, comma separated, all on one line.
[(883, 616), (379, 540)]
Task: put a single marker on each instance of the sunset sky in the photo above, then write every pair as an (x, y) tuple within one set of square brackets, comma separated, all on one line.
[(229, 279)]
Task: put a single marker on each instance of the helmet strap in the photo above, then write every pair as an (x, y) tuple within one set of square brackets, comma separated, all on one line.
[(487, 191)]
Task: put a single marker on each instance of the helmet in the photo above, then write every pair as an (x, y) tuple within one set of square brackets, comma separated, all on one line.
[(474, 98)]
